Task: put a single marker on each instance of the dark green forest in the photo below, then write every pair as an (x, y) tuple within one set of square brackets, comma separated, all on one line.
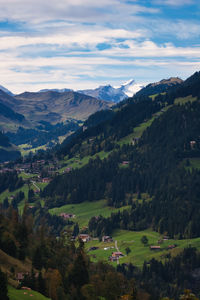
[(159, 164)]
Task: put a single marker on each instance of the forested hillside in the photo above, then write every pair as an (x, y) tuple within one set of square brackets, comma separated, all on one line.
[(157, 164), (141, 162), (7, 151)]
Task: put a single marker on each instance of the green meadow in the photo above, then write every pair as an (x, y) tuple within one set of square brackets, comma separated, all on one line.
[(86, 210), (139, 253), (78, 162), (138, 131), (24, 294)]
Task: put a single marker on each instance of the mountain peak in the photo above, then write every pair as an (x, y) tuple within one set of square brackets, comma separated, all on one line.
[(114, 93)]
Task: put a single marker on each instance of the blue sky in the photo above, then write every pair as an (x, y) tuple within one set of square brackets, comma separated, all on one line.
[(82, 44)]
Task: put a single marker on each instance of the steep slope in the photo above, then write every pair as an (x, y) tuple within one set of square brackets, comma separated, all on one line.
[(114, 94), (160, 86), (7, 151), (130, 88), (55, 107), (155, 164), (9, 118)]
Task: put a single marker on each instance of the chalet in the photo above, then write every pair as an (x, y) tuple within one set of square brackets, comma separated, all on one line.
[(125, 162), (154, 247), (67, 170), (84, 237), (67, 216), (20, 276), (192, 144), (117, 254), (107, 239), (165, 238), (46, 180)]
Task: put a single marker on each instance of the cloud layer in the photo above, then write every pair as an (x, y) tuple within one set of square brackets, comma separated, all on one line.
[(80, 44)]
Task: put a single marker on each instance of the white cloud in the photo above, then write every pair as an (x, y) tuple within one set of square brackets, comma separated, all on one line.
[(34, 11), (76, 37), (57, 44), (174, 2)]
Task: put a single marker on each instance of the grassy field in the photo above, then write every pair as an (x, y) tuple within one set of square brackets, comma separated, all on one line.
[(194, 163), (138, 131), (24, 294), (77, 162), (139, 252), (25, 189), (8, 194), (86, 210), (25, 149)]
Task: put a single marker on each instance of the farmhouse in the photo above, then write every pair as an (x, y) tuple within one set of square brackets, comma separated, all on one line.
[(192, 144), (117, 254), (107, 239), (46, 180), (84, 237), (125, 162), (155, 247)]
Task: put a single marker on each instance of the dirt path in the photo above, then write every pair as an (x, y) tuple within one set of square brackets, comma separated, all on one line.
[(35, 185), (116, 247)]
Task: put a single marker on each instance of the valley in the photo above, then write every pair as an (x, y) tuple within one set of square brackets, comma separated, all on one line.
[(120, 190)]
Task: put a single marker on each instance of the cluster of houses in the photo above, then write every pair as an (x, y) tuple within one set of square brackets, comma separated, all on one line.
[(35, 167), (157, 247)]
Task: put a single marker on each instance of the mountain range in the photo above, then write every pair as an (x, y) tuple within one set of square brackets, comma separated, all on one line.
[(114, 94), (130, 174), (21, 116)]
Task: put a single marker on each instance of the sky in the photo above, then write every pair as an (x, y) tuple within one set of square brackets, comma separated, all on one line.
[(82, 44)]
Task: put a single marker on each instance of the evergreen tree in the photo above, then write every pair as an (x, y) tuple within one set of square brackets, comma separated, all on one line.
[(3, 287)]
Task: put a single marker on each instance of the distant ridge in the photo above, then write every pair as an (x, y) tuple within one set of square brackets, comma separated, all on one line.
[(114, 94), (53, 106), (160, 86)]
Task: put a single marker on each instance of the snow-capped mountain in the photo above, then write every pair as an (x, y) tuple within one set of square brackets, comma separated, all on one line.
[(114, 94), (106, 92), (130, 87)]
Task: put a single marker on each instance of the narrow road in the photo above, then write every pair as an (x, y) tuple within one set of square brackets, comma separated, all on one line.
[(116, 247), (35, 185)]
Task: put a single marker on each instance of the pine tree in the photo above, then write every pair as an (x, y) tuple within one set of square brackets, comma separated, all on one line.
[(3, 287)]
